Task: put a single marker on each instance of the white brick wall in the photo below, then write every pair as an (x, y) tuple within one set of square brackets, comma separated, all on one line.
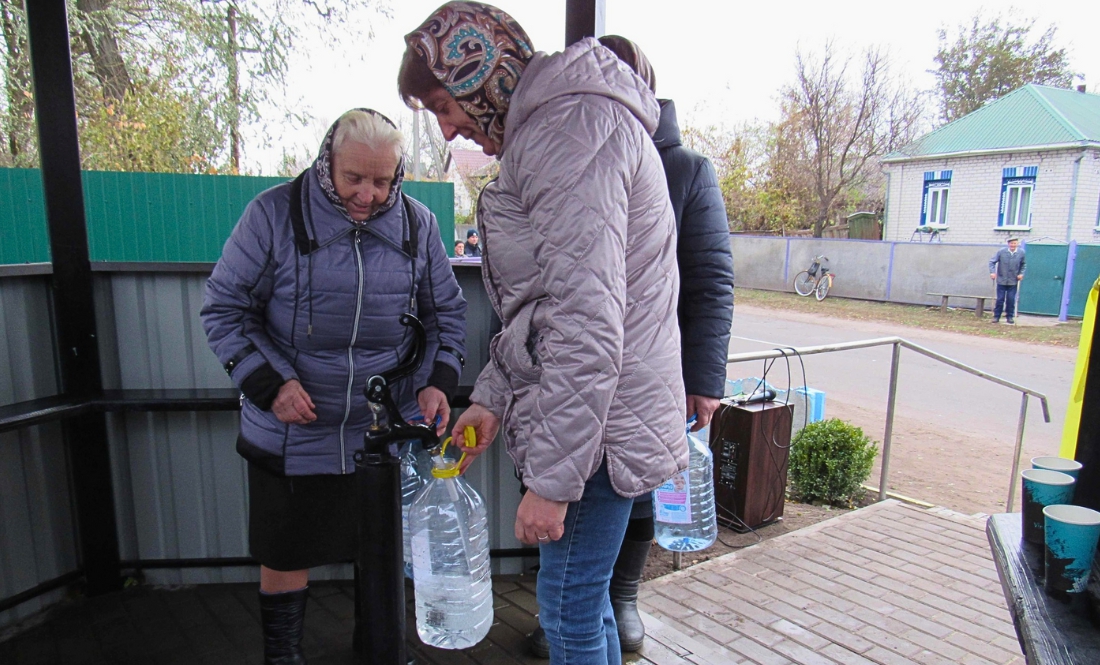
[(975, 196)]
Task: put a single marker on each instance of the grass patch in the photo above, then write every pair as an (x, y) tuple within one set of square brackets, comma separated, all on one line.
[(915, 316)]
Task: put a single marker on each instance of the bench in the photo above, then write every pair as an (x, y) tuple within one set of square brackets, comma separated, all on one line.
[(979, 310)]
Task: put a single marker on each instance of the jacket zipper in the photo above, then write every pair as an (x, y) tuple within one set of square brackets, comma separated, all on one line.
[(351, 346)]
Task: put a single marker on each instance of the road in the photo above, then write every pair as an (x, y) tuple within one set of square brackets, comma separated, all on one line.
[(954, 433)]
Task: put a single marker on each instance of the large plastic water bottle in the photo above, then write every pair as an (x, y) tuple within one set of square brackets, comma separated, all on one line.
[(683, 507), (413, 477), (450, 553)]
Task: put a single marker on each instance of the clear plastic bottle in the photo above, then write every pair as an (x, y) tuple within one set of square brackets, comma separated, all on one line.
[(450, 553), (413, 476), (683, 507)]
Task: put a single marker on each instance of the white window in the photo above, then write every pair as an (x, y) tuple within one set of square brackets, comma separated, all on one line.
[(1017, 205), (937, 206), (1017, 187)]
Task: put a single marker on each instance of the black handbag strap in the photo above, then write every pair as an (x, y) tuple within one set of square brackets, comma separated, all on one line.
[(307, 245)]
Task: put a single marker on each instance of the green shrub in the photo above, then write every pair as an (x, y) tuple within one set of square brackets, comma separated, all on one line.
[(829, 462)]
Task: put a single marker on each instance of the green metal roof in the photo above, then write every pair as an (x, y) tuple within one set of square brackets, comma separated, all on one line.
[(1033, 116)]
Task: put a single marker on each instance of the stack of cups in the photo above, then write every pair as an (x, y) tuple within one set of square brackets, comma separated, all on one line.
[(1069, 533)]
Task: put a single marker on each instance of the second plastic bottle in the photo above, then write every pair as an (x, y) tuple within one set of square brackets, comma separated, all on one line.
[(683, 507)]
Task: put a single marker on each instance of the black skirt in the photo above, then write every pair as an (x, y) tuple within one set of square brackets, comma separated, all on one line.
[(298, 522)]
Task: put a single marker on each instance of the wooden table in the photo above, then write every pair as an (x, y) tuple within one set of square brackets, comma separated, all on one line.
[(979, 310), (1050, 632)]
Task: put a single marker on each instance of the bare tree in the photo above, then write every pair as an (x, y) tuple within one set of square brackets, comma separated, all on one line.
[(837, 128)]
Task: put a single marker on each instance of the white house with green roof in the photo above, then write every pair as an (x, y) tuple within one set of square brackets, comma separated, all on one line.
[(1027, 164)]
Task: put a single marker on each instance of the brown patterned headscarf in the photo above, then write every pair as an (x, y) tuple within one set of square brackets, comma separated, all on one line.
[(632, 55), (478, 53)]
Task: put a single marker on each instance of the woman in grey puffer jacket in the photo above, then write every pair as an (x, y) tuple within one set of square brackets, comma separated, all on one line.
[(302, 309), (580, 264)]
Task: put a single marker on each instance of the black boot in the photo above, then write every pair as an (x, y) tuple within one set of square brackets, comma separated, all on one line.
[(540, 646), (624, 592), (283, 617)]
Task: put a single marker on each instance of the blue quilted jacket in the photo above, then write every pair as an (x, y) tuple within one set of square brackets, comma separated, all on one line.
[(328, 317)]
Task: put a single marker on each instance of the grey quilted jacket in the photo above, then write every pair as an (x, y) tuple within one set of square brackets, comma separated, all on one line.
[(329, 318), (580, 264)]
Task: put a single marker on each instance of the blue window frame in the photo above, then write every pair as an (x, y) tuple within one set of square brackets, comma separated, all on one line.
[(1017, 192), (937, 188)]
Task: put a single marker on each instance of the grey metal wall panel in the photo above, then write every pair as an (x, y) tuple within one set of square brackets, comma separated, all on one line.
[(25, 331), (159, 340), (36, 527), (180, 487), (861, 266), (37, 541)]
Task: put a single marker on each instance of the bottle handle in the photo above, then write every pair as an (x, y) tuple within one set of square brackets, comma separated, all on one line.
[(469, 435)]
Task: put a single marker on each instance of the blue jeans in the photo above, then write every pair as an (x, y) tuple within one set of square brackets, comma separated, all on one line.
[(574, 572), (1006, 301)]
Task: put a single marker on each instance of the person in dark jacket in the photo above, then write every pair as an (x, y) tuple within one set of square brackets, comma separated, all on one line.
[(1006, 268), (705, 314), (302, 308), (473, 247)]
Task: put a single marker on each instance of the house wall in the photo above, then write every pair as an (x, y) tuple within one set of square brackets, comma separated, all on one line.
[(974, 201)]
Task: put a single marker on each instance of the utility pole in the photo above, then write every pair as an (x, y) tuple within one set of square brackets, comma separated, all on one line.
[(234, 91), (416, 144)]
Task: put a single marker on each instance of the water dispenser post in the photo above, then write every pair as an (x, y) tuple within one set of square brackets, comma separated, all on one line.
[(380, 587)]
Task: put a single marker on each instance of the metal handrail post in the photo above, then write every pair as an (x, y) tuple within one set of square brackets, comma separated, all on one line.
[(1019, 451), (888, 435)]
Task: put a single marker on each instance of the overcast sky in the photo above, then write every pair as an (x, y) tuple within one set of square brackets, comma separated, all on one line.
[(721, 61)]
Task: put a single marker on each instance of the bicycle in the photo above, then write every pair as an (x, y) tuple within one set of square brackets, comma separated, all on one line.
[(817, 280)]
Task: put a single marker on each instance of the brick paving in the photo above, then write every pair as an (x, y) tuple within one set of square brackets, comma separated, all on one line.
[(889, 584)]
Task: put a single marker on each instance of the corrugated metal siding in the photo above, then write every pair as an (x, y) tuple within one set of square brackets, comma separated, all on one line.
[(440, 199), (36, 527), (180, 486), (164, 216), (23, 236), (155, 217)]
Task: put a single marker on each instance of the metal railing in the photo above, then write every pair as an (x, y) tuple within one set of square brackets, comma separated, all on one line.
[(897, 343)]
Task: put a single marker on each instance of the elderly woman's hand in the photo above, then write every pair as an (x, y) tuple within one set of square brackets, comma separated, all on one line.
[(293, 405), (433, 403), (485, 425), (539, 520)]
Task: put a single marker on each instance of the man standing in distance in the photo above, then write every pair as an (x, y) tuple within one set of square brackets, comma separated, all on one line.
[(1006, 268)]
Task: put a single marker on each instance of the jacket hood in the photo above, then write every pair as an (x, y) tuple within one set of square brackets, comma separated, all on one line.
[(668, 131), (585, 68)]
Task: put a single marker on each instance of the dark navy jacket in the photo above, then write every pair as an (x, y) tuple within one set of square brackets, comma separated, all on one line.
[(703, 253)]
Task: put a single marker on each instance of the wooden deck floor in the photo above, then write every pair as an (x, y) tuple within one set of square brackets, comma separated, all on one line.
[(888, 585)]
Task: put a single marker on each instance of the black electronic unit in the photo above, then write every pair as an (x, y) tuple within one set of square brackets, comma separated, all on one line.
[(750, 443)]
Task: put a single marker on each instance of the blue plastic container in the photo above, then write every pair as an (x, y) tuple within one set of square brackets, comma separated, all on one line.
[(1070, 467), (1071, 536), (1042, 488)]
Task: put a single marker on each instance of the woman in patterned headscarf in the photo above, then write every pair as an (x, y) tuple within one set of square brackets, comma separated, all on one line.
[(579, 261), (303, 306)]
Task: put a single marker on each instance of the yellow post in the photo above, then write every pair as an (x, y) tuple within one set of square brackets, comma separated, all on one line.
[(1077, 392)]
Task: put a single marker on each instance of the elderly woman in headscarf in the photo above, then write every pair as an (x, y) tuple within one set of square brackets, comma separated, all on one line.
[(301, 309), (580, 264)]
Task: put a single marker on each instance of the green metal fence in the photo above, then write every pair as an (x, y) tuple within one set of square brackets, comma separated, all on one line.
[(1044, 279), (23, 236), (156, 217)]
